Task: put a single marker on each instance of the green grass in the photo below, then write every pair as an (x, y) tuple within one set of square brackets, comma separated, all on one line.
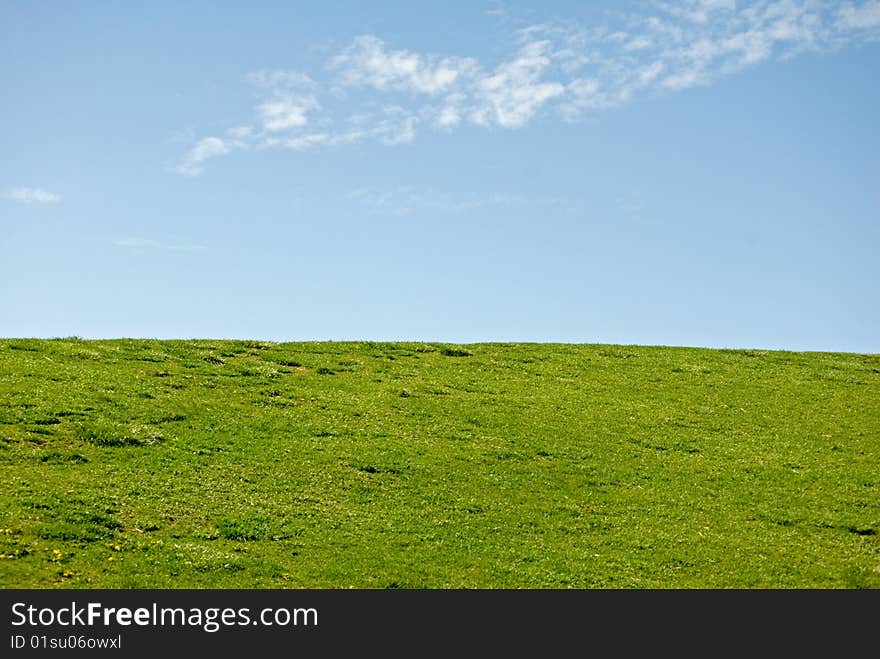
[(239, 464)]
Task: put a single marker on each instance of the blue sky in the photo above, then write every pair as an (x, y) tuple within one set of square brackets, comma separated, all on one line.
[(700, 173)]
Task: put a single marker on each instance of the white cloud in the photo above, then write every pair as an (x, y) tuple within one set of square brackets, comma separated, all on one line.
[(31, 196), (638, 43), (367, 62), (285, 112), (697, 11), (649, 72), (683, 80), (397, 126), (512, 95), (240, 132), (392, 126), (864, 17), (373, 91), (192, 164), (450, 114), (302, 142), (275, 80), (699, 41), (581, 95), (292, 95)]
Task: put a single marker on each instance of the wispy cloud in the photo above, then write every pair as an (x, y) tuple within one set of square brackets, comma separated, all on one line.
[(369, 62), (193, 162), (404, 201), (697, 11), (292, 98), (370, 90), (140, 243), (31, 196), (284, 113), (859, 17), (512, 94)]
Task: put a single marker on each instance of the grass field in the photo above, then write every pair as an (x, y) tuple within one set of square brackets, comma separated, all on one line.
[(238, 464)]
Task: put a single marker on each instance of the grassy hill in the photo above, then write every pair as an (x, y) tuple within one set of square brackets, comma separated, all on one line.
[(207, 463)]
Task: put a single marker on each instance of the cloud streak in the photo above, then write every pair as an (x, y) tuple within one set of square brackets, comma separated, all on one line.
[(863, 17), (512, 94), (405, 201), (193, 163), (371, 91), (31, 196), (369, 62)]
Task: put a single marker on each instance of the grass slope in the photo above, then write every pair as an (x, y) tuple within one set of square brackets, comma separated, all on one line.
[(180, 464)]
